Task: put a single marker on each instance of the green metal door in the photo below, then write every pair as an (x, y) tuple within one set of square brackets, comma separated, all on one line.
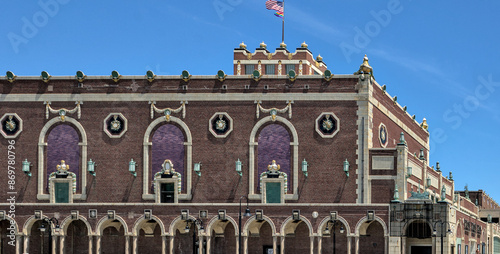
[(496, 245), (273, 192), (62, 192)]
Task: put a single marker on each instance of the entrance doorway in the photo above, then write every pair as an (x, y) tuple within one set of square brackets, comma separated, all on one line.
[(421, 250)]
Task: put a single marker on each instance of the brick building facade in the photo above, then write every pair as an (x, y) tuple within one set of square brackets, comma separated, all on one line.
[(167, 164)]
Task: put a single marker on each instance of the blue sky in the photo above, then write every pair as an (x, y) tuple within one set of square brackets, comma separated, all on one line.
[(439, 57)]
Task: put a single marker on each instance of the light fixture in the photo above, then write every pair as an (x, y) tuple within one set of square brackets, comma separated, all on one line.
[(438, 167), (333, 216), (421, 156), (185, 76), (428, 182), (197, 168), (370, 215), (408, 172), (150, 76), (489, 218), (395, 99), (186, 229), (384, 88), (221, 76), (304, 167), (26, 167), (327, 75), (91, 167), (80, 77), (342, 230), (292, 75), (434, 232), (115, 76), (346, 167), (327, 231), (11, 77), (238, 167), (131, 167), (45, 76), (256, 75), (449, 231), (247, 212), (42, 228)]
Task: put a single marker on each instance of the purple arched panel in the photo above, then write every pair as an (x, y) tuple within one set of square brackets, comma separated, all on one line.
[(62, 144), (274, 144), (168, 143)]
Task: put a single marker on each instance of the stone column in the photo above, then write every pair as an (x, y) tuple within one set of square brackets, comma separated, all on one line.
[(386, 243), (18, 243), (54, 244), (356, 245), (282, 251), (98, 245), (171, 245), (200, 244), (403, 244), (320, 242), (61, 244), (349, 240), (245, 244), (209, 242), (26, 243), (275, 244), (134, 244), (163, 244), (90, 244), (311, 244)]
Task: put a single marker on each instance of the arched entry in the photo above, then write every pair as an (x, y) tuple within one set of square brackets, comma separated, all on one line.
[(76, 238), (334, 236), (260, 236), (149, 236), (418, 237), (8, 233), (223, 236), (372, 237), (112, 236), (297, 235), (39, 239)]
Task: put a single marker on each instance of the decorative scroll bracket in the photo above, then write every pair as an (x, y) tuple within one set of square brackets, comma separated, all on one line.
[(274, 111), (168, 111), (63, 111)]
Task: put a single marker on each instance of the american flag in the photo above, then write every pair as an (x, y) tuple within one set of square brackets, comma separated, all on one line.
[(274, 5)]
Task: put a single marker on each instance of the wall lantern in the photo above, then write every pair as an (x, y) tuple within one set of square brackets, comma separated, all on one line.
[(197, 168), (131, 167), (421, 156), (304, 167), (428, 182), (346, 167), (26, 167), (408, 172), (238, 167), (438, 167), (91, 167)]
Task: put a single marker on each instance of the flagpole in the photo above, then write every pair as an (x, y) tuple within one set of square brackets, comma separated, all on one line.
[(283, 24)]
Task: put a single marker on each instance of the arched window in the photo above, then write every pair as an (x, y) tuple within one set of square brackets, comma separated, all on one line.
[(167, 142), (62, 143), (273, 141)]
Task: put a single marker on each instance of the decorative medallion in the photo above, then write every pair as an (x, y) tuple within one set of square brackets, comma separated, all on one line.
[(327, 124), (382, 135), (63, 111), (274, 111), (12, 125), (115, 125), (220, 124)]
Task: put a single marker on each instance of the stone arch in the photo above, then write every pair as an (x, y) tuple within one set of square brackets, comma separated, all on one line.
[(177, 224), (295, 153), (104, 222), (41, 156), (67, 221), (10, 220), (409, 222), (286, 226), (248, 227), (213, 225), (30, 222), (361, 226), (323, 223), (141, 220), (146, 148)]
